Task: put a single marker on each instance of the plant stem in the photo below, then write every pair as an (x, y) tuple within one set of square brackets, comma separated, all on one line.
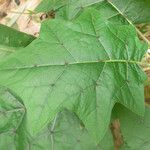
[(25, 13)]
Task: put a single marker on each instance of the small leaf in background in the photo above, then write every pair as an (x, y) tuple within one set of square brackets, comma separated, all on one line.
[(137, 11), (13, 38)]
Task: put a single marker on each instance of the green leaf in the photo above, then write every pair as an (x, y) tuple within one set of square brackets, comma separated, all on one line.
[(6, 50), (135, 130), (11, 113), (137, 11), (124, 11), (48, 5), (13, 38), (65, 132), (66, 8), (86, 65), (107, 143), (11, 110)]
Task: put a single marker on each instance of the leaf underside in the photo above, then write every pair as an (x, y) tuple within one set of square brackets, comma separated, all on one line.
[(86, 66)]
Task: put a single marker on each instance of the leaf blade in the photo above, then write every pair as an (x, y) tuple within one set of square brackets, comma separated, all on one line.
[(73, 73)]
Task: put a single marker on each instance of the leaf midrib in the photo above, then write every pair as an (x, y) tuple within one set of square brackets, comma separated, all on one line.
[(74, 63)]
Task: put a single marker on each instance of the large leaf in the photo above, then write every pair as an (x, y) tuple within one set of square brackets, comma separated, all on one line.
[(135, 129), (137, 11), (86, 66)]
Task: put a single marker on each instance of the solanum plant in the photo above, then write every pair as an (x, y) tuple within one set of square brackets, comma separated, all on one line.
[(61, 90)]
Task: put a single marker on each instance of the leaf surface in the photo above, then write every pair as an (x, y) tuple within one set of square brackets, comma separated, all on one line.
[(6, 50), (11, 110), (11, 40), (135, 129), (86, 65), (65, 132), (137, 11), (11, 114)]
